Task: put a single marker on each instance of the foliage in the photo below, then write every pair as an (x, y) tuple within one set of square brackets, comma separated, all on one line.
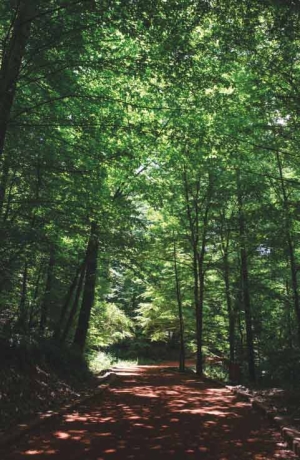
[(109, 324), (101, 361), (149, 186)]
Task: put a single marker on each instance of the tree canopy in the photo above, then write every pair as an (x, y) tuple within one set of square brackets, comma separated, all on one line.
[(149, 178)]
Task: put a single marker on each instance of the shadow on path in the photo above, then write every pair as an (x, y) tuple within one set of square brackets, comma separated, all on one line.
[(154, 413)]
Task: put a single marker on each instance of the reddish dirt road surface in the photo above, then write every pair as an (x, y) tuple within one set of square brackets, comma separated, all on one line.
[(153, 413)]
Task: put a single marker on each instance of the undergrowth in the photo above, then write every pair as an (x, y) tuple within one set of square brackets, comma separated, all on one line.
[(216, 373), (101, 361)]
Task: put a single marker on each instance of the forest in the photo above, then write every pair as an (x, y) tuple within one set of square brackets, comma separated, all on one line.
[(149, 181)]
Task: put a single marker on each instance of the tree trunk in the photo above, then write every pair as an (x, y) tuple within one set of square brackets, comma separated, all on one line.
[(89, 290), (194, 238), (47, 295), (239, 327), (290, 247), (10, 68), (67, 301), (193, 213), (199, 365), (199, 320), (234, 367), (22, 306), (75, 304), (230, 310), (180, 314), (245, 284), (201, 276), (288, 315)]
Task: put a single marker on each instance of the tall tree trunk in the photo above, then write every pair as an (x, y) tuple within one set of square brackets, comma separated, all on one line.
[(9, 72), (89, 290), (288, 316), (201, 276), (66, 303), (238, 301), (199, 358), (74, 308), (193, 221), (290, 246), (245, 283), (234, 367), (47, 295), (193, 213), (180, 313), (230, 310)]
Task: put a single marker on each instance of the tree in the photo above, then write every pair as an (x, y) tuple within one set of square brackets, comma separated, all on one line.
[(89, 289), (173, 126)]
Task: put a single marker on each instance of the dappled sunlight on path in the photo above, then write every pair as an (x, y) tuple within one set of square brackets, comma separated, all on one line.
[(153, 412)]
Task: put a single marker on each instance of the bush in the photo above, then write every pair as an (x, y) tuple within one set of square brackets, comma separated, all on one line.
[(281, 366)]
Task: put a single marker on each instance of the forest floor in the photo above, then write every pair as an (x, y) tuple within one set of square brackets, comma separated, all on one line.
[(154, 412), (31, 386)]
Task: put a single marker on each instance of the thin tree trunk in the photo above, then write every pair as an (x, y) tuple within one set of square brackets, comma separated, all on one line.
[(245, 284), (199, 358), (198, 258), (180, 314), (231, 317), (290, 247), (22, 306), (241, 339), (89, 290), (47, 295), (231, 313), (233, 368), (201, 276), (10, 68), (67, 301), (288, 314), (74, 308)]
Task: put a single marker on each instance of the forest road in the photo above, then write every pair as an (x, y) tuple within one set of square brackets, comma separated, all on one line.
[(152, 412)]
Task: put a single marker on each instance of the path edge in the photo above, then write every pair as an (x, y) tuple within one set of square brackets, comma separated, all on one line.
[(290, 435), (19, 431)]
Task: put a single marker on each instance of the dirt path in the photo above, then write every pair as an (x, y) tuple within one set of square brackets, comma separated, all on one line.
[(154, 413)]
